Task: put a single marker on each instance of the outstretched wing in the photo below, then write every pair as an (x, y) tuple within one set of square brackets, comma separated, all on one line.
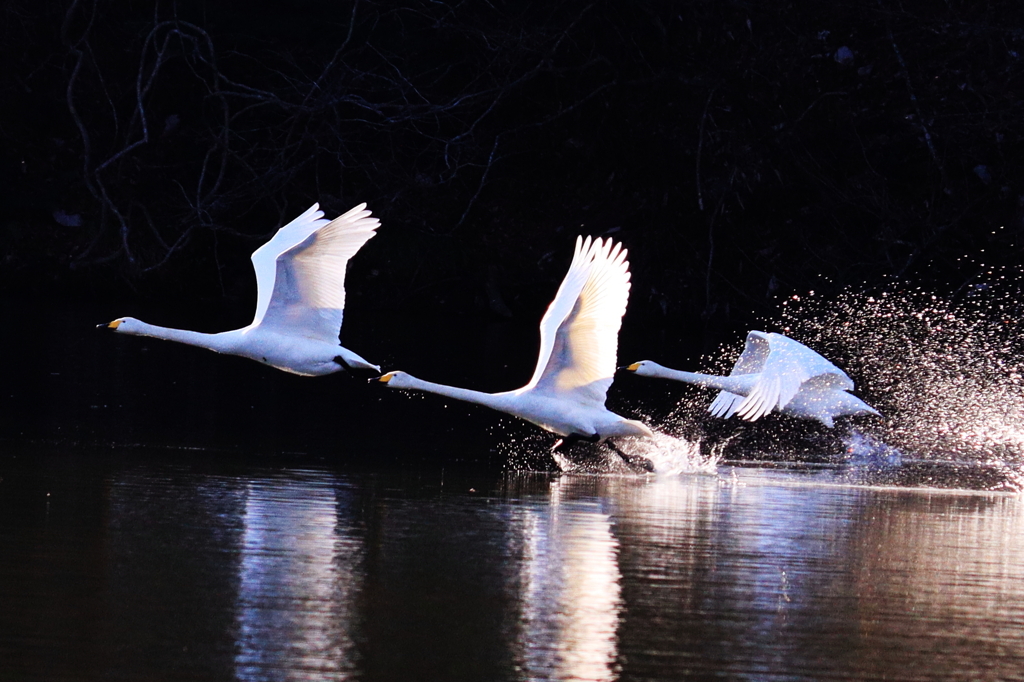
[(579, 334), (788, 365), (724, 405), (756, 350), (308, 294), (751, 361), (264, 259)]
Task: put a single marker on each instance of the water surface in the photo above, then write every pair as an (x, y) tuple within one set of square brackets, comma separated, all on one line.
[(169, 565)]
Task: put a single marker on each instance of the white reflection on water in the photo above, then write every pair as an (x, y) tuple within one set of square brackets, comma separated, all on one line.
[(167, 571), (946, 558), (299, 576), (570, 590), (795, 576)]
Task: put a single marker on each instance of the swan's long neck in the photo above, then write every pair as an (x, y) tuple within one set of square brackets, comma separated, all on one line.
[(740, 384), (495, 401), (224, 342)]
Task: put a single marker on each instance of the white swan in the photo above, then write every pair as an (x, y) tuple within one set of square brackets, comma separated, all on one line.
[(774, 372), (300, 278), (576, 365)]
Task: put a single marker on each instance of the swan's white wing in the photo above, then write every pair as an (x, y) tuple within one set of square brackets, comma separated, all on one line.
[(309, 287), (725, 404), (579, 335), (788, 365), (751, 361), (755, 353), (264, 259)]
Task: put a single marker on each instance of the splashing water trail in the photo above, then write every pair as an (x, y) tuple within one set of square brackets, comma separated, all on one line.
[(867, 449), (668, 453), (520, 451), (672, 454), (946, 372)]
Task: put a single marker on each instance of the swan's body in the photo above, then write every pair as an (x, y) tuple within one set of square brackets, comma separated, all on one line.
[(576, 365), (774, 372), (300, 277)]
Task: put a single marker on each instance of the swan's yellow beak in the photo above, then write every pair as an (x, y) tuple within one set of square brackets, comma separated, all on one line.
[(632, 368), (111, 325), (384, 378)]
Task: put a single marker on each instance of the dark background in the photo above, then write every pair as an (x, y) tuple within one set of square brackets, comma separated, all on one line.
[(744, 152)]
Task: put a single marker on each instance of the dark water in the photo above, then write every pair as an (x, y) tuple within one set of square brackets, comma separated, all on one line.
[(163, 565)]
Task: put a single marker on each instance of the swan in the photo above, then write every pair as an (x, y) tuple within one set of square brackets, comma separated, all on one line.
[(774, 372), (300, 278), (576, 365)]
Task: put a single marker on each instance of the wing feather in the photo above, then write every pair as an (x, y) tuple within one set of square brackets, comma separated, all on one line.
[(755, 352), (309, 288), (786, 367), (264, 259), (725, 404), (580, 330), (751, 361)]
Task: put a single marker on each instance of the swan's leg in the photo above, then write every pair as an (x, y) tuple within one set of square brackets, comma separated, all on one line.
[(564, 444), (632, 460)]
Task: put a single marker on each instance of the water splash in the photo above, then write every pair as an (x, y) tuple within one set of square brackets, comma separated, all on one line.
[(864, 449), (670, 454), (673, 454), (522, 451), (945, 371)]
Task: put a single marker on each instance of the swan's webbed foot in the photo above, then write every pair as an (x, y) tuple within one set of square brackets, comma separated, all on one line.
[(632, 461)]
